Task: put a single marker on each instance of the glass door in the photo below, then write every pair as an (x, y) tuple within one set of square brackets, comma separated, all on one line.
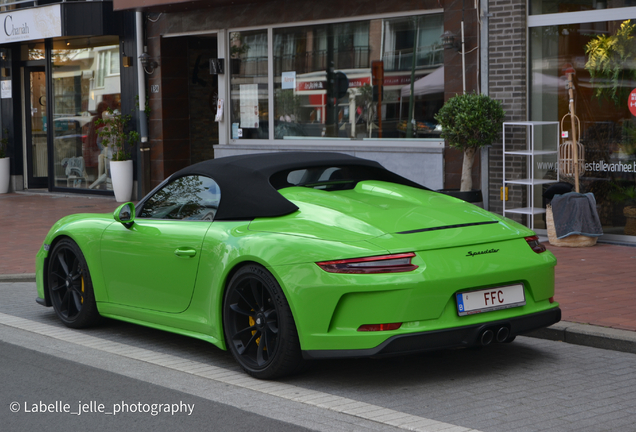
[(35, 127)]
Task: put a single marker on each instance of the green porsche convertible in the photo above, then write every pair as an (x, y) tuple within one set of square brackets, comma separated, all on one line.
[(286, 257)]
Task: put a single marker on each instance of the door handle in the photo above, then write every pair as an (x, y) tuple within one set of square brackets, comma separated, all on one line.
[(185, 252)]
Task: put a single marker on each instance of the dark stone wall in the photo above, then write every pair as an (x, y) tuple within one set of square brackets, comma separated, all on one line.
[(203, 93), (285, 11), (169, 123), (454, 12), (507, 83)]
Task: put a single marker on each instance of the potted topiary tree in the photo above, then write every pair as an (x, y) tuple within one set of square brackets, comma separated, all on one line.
[(114, 135), (470, 121), (626, 194), (5, 171)]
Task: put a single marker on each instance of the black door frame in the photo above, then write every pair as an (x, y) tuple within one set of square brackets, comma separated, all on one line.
[(32, 181)]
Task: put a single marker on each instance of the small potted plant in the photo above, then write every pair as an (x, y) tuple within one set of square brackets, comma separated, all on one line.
[(627, 195), (470, 121), (119, 141), (5, 167)]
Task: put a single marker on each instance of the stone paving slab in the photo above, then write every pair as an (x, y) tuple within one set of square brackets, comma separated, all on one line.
[(589, 335), (531, 384)]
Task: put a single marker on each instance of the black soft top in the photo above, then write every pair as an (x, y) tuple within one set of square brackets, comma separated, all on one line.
[(249, 183)]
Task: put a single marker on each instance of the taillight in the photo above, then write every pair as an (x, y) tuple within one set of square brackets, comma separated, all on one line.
[(395, 263), (379, 327), (535, 244)]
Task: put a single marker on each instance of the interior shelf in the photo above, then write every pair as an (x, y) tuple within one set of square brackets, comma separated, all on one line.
[(530, 154)]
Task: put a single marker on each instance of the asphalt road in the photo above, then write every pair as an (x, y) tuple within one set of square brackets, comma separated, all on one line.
[(529, 385), (44, 392)]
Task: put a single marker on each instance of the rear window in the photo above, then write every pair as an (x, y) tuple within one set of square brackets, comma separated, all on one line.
[(327, 177)]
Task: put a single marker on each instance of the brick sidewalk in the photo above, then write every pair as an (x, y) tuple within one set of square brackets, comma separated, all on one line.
[(597, 285), (26, 218), (594, 285)]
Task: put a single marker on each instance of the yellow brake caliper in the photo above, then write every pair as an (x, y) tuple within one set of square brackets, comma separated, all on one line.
[(82, 299), (252, 323)]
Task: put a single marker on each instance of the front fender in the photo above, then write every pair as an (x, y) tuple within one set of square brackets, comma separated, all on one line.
[(85, 230)]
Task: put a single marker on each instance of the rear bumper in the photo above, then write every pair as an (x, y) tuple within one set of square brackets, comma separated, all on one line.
[(442, 339)]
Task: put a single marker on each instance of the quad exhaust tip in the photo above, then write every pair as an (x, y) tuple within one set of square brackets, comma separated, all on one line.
[(500, 335), (486, 337)]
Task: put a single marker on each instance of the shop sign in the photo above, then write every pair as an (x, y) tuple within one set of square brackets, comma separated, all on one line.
[(6, 89), (320, 85), (31, 24), (631, 102), (249, 105), (288, 80), (310, 85), (359, 82), (397, 80)]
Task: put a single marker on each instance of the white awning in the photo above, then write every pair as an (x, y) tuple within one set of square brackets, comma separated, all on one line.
[(431, 83)]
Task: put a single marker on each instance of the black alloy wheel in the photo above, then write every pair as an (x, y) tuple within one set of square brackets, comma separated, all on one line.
[(70, 286), (259, 326)]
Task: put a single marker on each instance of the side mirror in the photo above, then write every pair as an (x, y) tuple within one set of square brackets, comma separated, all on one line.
[(125, 214)]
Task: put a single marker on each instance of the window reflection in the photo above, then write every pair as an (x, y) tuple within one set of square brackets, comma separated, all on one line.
[(33, 51), (249, 96), (602, 56), (86, 82), (326, 85), (539, 7), (186, 198)]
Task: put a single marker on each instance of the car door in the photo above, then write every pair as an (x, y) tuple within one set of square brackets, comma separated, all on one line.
[(153, 264)]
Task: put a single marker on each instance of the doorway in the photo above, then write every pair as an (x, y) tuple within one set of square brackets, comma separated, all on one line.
[(203, 94), (35, 127)]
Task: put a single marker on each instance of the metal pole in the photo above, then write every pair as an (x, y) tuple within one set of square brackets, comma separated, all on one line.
[(411, 120), (463, 61), (575, 146), (144, 149)]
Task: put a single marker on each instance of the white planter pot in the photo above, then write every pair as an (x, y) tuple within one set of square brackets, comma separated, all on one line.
[(121, 173), (5, 176)]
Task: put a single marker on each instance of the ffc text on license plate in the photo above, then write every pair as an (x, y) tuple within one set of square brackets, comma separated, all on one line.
[(473, 302)]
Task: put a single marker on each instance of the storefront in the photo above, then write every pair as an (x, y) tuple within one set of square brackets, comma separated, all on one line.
[(322, 77), (535, 48), (594, 43), (61, 69)]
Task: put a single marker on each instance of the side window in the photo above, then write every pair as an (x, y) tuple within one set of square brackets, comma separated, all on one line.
[(186, 198)]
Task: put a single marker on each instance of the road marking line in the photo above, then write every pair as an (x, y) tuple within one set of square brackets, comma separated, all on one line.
[(290, 392)]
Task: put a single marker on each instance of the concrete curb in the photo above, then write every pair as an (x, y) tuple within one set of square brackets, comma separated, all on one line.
[(21, 277), (589, 335), (564, 331)]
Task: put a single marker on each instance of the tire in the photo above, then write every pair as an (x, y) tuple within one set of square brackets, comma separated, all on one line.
[(259, 327), (70, 286)]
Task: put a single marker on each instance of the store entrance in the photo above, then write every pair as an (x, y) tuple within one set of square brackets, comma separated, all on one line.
[(36, 133), (203, 94)]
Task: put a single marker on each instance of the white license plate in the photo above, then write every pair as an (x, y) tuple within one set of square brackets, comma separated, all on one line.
[(473, 302)]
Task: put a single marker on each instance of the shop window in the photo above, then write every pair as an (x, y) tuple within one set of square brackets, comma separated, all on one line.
[(599, 58), (249, 79), (86, 82), (32, 51), (107, 64), (540, 7), (353, 80)]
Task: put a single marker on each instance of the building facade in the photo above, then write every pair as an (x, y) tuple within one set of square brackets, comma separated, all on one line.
[(364, 78), (62, 68), (535, 48)]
